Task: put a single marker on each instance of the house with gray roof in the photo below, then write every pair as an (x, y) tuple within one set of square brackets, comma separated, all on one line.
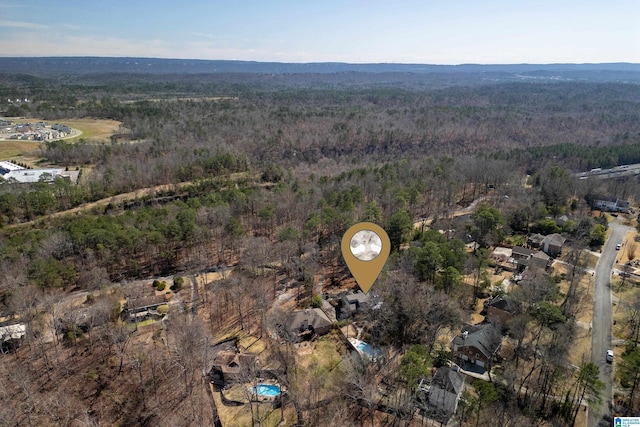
[(521, 257), (611, 204), (350, 303), (438, 398), (136, 309), (552, 244), (540, 260), (535, 240), (476, 346)]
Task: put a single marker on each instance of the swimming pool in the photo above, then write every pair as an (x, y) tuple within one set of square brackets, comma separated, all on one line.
[(267, 390), (368, 350)]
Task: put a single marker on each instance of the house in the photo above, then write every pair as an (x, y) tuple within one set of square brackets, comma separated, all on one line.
[(552, 244), (11, 336), (438, 398), (533, 279), (535, 241), (521, 256), (330, 308), (61, 128), (500, 310), (306, 324), (476, 346), (231, 366), (520, 253), (137, 309), (540, 260), (611, 204), (350, 303)]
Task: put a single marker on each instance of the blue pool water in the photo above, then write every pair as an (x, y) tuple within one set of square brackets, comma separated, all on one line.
[(368, 350), (267, 390)]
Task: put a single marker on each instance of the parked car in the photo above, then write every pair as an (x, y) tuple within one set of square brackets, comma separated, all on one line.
[(618, 246), (609, 356)]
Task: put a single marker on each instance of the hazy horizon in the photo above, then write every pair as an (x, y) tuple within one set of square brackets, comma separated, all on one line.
[(355, 32), (322, 62)]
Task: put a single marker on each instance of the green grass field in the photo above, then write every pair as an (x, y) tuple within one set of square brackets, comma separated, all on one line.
[(93, 130)]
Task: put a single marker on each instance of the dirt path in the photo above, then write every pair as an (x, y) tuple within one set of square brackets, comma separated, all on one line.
[(118, 198), (458, 212), (132, 195)]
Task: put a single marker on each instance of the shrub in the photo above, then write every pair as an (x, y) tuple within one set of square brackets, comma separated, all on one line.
[(161, 286), (92, 374), (163, 309), (178, 283), (73, 335), (340, 323), (316, 301), (441, 357), (155, 283)]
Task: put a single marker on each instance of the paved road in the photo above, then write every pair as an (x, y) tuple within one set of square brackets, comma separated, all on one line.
[(614, 172), (601, 334)]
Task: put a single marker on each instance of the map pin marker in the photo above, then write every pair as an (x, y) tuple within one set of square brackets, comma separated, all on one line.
[(365, 248)]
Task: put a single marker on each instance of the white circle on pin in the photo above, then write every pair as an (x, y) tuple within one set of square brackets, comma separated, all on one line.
[(365, 245)]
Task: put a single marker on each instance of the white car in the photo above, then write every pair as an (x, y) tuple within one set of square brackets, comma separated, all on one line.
[(618, 246), (609, 356)]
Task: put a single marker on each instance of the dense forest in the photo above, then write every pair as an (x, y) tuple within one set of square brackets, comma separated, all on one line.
[(263, 174)]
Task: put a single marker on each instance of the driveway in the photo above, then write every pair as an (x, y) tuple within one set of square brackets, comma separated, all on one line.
[(601, 334)]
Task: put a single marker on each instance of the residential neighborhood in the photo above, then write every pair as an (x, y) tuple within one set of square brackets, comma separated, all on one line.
[(343, 324), (39, 131)]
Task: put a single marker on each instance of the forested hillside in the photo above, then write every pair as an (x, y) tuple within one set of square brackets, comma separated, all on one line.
[(262, 174)]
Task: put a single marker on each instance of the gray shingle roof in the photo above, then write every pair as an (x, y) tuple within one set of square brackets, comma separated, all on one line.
[(485, 338), (448, 380)]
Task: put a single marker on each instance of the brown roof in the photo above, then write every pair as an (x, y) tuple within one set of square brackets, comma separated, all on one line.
[(305, 318), (232, 362), (503, 303)]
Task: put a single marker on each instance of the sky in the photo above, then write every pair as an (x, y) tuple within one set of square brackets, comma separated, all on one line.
[(358, 31)]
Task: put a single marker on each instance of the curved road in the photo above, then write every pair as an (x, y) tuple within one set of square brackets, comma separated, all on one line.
[(601, 333)]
